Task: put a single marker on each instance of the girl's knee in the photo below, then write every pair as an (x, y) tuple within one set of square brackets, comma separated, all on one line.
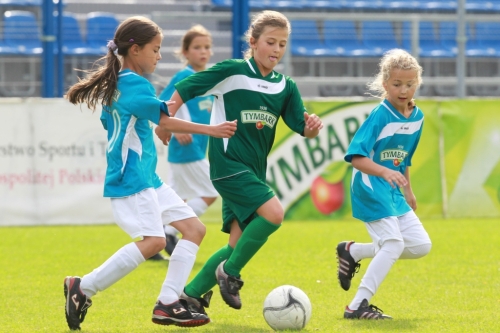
[(274, 215), (193, 230), (156, 244)]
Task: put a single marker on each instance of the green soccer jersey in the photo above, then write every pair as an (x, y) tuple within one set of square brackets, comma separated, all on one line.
[(257, 102)]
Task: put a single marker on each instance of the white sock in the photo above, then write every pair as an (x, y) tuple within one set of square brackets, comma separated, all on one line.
[(360, 251), (377, 270), (124, 261), (179, 267), (198, 205), (169, 230)]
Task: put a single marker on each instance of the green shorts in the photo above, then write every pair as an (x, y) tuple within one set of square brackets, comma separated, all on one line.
[(242, 194)]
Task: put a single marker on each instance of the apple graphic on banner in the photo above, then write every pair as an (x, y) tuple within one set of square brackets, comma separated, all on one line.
[(260, 124), (396, 162), (327, 197)]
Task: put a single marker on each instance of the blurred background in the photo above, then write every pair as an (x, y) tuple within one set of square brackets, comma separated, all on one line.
[(334, 49)]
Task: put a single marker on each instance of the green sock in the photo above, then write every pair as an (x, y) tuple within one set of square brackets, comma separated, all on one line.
[(253, 237), (205, 279)]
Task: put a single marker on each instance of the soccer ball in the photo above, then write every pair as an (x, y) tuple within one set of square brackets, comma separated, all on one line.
[(287, 307)]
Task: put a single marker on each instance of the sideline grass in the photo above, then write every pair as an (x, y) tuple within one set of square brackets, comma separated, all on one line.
[(453, 289)]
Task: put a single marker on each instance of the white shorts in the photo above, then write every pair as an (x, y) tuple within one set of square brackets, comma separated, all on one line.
[(191, 180), (145, 213), (406, 228)]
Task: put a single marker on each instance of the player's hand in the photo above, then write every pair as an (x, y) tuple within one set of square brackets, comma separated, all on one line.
[(313, 122), (183, 138), (163, 135), (224, 130), (394, 178), (410, 198)]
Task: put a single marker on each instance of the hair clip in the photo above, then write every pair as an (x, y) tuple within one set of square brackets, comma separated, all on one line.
[(131, 40), (112, 47)]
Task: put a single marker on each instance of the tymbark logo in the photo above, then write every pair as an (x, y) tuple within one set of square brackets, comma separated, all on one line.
[(259, 118), (396, 155)]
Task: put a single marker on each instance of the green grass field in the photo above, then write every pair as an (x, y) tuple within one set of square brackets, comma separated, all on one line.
[(454, 289)]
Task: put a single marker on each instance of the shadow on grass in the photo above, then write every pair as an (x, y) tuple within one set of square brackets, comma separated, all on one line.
[(409, 325)]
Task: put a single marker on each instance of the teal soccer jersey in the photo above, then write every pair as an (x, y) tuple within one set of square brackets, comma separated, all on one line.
[(388, 139), (196, 110), (257, 102), (131, 153)]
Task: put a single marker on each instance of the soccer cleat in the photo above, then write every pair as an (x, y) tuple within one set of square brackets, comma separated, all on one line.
[(157, 257), (171, 243), (229, 287), (177, 314), (365, 311), (197, 305), (77, 302), (347, 267)]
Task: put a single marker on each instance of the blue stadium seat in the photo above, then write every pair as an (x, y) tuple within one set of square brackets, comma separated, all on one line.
[(482, 6), (101, 28), (440, 5), (378, 37), (21, 32), (428, 41), (222, 3), (363, 5), (262, 4), (320, 4), (306, 40), (486, 40), (406, 5), (275, 4), (73, 43), (341, 37), (20, 3), (448, 36)]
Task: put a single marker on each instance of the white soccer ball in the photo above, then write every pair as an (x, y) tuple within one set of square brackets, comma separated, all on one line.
[(287, 307)]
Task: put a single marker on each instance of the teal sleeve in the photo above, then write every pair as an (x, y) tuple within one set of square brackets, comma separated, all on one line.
[(145, 104)]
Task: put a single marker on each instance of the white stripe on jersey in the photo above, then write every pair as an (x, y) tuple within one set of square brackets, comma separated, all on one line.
[(400, 128), (116, 130), (250, 65), (130, 141), (388, 108), (243, 82)]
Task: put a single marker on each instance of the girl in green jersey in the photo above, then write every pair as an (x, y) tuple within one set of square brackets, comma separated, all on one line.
[(250, 92)]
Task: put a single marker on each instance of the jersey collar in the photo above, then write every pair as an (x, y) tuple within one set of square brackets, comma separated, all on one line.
[(253, 66), (388, 106)]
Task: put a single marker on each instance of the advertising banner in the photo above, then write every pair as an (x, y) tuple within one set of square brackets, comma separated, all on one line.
[(52, 162), (455, 171)]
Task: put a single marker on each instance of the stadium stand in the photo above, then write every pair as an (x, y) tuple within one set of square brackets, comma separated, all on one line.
[(337, 41)]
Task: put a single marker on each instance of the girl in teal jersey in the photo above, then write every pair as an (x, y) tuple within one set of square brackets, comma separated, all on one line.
[(140, 201), (381, 153), (188, 172), (250, 91)]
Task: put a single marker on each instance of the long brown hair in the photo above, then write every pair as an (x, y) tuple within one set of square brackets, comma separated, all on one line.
[(266, 18), (100, 83)]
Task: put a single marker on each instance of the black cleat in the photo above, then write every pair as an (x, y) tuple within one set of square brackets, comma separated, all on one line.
[(229, 287), (171, 243), (157, 257), (365, 311), (197, 305), (177, 314), (347, 267), (77, 302)]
